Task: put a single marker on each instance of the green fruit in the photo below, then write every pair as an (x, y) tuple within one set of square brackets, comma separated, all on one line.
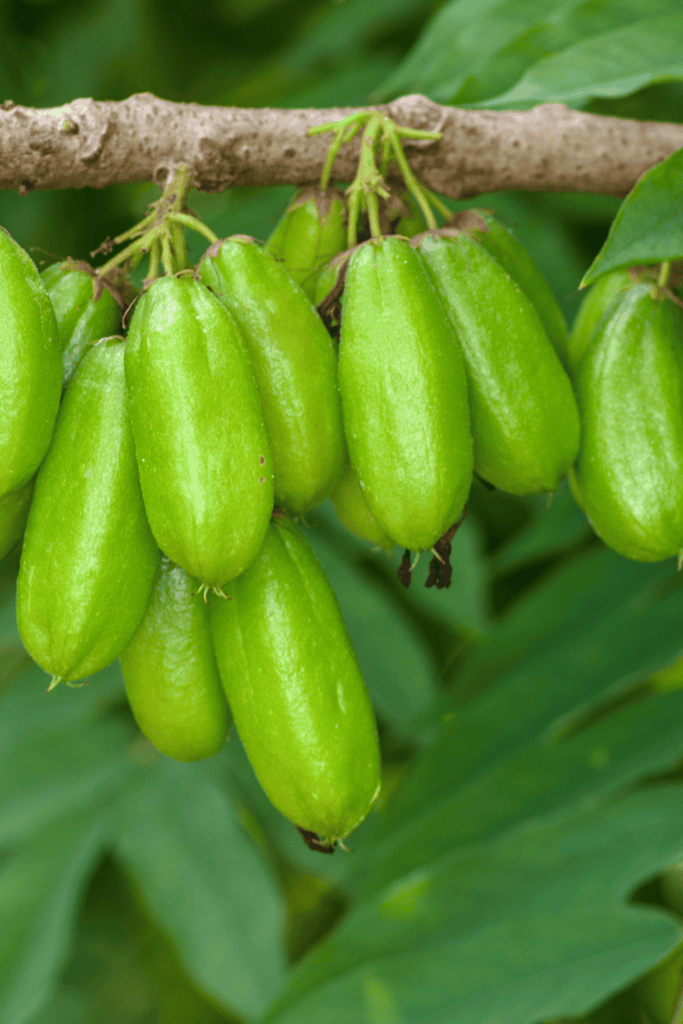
[(354, 513), (312, 231), (202, 449), (294, 686), (516, 261), (30, 357), (326, 281), (13, 515), (404, 395), (660, 990), (525, 421), (89, 560), (630, 387), (170, 672), (294, 365), (80, 318), (599, 299)]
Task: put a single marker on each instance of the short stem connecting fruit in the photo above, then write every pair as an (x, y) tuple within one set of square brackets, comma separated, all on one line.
[(160, 233), (381, 138)]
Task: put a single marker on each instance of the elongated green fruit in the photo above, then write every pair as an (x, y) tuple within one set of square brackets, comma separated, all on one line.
[(312, 231), (89, 560), (80, 319), (599, 299), (294, 686), (201, 446), (630, 388), (404, 395), (658, 993), (294, 365), (325, 283), (13, 515), (525, 421), (170, 671), (513, 258), (352, 509), (30, 367)]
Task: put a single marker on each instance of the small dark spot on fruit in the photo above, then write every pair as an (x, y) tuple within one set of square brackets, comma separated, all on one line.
[(261, 479), (262, 460)]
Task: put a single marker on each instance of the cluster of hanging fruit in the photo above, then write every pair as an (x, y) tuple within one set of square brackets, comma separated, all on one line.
[(157, 479)]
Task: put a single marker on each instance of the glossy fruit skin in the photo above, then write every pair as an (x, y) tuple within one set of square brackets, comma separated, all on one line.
[(89, 560), (295, 689), (516, 261), (599, 300), (30, 357), (525, 421), (352, 509), (80, 319), (630, 387), (14, 509), (170, 671), (312, 231), (201, 446), (294, 365), (404, 395), (659, 991)]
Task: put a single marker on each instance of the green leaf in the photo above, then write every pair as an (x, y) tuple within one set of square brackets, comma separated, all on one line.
[(57, 774), (40, 890), (205, 883), (538, 51), (556, 524), (612, 64), (560, 609), (514, 737), (649, 225), (531, 925)]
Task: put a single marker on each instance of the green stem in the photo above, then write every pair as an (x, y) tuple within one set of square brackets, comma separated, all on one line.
[(373, 214), (195, 225), (153, 270), (140, 245), (178, 244), (664, 274), (411, 181), (167, 254)]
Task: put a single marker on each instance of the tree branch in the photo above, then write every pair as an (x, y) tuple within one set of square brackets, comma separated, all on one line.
[(547, 149)]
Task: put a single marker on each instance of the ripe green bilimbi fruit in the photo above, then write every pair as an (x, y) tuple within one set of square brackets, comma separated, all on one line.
[(30, 358), (89, 559), (312, 231), (513, 258), (295, 689), (525, 422), (599, 299), (201, 446), (630, 387), (294, 366), (170, 671), (14, 509), (404, 395), (352, 509), (80, 318)]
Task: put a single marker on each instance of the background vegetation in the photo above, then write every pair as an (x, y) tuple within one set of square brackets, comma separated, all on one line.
[(533, 797)]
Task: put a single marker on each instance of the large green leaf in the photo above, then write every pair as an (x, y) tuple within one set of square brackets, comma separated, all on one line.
[(40, 890), (531, 925), (556, 525), (205, 883), (536, 51), (649, 225), (616, 63)]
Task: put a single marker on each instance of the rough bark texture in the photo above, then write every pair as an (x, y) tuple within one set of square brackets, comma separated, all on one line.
[(547, 149)]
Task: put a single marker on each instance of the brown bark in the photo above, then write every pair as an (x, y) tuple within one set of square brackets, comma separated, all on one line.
[(547, 149)]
